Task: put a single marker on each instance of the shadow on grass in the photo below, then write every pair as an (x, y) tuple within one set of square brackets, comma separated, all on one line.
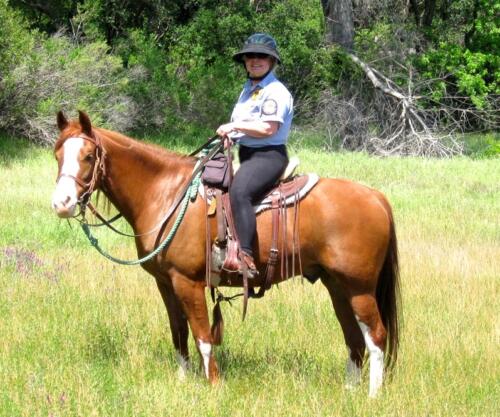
[(14, 149), (482, 145), (296, 363)]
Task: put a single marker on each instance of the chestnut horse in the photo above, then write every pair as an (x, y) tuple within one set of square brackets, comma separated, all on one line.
[(347, 240)]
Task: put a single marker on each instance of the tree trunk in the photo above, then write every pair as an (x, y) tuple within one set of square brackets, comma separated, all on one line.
[(339, 22), (430, 8), (470, 33), (444, 10), (416, 12)]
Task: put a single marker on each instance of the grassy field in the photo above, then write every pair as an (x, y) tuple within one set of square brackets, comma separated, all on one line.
[(80, 336)]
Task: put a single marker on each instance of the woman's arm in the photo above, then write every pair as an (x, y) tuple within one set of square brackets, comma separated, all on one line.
[(255, 129)]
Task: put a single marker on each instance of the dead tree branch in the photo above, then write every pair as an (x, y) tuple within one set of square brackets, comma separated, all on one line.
[(396, 125)]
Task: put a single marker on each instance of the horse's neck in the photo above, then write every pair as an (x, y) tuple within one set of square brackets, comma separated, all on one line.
[(141, 181)]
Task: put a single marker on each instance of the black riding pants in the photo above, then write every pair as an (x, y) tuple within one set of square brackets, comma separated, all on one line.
[(259, 170)]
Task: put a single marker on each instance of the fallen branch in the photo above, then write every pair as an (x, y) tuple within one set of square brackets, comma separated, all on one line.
[(391, 123)]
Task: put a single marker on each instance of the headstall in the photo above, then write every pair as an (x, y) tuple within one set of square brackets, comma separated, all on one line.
[(97, 173)]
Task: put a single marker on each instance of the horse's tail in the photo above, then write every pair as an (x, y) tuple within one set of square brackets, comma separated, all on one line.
[(388, 293)]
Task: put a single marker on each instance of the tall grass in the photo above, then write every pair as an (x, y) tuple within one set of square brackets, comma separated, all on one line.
[(82, 336)]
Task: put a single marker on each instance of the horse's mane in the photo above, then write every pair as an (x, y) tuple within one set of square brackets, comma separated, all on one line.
[(154, 153)]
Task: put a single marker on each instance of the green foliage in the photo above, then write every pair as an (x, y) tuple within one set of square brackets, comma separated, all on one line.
[(47, 16), (204, 79), (298, 29), (475, 73), (15, 39), (484, 35), (175, 68), (483, 145), (472, 65), (146, 65), (59, 75)]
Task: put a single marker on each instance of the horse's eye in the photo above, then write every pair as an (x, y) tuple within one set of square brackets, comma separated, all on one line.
[(89, 157)]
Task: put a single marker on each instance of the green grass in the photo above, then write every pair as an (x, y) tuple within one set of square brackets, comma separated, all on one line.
[(80, 336)]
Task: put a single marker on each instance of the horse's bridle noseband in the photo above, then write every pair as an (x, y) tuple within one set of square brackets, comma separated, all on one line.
[(97, 172)]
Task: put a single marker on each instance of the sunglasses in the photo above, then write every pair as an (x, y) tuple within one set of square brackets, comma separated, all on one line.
[(253, 55)]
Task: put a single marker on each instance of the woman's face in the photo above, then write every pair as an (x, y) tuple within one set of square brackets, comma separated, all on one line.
[(257, 65)]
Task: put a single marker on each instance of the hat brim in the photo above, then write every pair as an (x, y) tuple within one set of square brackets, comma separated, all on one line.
[(256, 49)]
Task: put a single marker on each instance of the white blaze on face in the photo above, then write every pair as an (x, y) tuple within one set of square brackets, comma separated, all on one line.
[(65, 197)]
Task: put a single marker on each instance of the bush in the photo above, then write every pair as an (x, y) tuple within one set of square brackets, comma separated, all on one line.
[(146, 68), (59, 75), (474, 73), (483, 145), (15, 39), (203, 81)]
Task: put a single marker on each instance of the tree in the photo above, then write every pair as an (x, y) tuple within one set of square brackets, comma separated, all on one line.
[(339, 22), (48, 16), (388, 121)]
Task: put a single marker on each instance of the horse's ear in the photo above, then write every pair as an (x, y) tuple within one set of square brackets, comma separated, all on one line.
[(85, 123), (62, 122)]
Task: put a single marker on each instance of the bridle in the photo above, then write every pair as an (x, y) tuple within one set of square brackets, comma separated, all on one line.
[(98, 172)]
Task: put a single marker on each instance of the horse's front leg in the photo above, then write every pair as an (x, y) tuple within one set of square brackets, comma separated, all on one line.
[(191, 294), (178, 324)]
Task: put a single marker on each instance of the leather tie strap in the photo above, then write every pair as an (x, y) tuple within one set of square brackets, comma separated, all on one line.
[(273, 252)]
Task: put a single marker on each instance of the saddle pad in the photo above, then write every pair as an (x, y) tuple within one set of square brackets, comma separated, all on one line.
[(265, 204)]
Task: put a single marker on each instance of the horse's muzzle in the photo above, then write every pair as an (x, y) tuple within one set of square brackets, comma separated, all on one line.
[(64, 200), (64, 209)]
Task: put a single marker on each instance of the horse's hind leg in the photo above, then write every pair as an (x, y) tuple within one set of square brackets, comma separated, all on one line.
[(360, 320), (178, 325), (350, 328), (367, 313)]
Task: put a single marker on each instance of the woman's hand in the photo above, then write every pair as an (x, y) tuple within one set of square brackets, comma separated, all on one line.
[(225, 130)]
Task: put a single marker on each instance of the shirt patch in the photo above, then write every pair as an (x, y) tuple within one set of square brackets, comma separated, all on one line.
[(256, 94), (270, 107)]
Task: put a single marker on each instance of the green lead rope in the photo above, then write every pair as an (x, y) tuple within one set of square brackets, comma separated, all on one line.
[(191, 194)]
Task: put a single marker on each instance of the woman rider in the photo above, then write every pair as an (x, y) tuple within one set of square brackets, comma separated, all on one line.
[(260, 124)]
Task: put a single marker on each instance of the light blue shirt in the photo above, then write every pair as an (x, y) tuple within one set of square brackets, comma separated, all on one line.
[(268, 101)]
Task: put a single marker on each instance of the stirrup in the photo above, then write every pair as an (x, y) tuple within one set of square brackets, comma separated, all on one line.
[(250, 266)]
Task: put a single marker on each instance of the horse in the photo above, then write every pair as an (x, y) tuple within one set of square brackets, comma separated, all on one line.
[(347, 241)]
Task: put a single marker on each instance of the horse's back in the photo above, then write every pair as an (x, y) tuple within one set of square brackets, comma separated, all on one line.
[(347, 202)]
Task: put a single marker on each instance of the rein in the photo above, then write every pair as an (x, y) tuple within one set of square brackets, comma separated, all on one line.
[(200, 165), (189, 192)]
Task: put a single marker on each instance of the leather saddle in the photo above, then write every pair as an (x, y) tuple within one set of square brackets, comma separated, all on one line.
[(224, 258)]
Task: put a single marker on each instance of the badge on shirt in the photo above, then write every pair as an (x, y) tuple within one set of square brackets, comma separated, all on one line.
[(256, 94), (269, 107)]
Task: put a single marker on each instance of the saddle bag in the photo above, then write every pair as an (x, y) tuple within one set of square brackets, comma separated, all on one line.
[(216, 172)]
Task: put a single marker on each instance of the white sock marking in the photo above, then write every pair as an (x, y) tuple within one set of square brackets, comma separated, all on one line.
[(205, 350), (376, 361), (65, 197)]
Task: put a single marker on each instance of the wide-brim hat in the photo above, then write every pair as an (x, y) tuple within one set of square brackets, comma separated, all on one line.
[(258, 43)]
